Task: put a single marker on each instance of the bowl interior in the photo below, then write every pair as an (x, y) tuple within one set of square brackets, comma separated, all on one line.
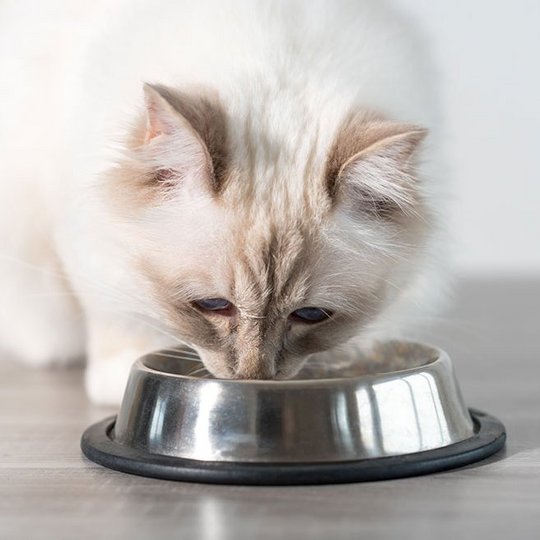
[(392, 356)]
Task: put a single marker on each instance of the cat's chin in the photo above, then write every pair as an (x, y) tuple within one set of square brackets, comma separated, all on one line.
[(290, 372), (217, 369)]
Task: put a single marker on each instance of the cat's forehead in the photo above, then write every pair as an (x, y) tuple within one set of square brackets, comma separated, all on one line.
[(271, 262), (282, 180)]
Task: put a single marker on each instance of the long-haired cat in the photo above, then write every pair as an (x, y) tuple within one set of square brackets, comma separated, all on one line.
[(254, 178)]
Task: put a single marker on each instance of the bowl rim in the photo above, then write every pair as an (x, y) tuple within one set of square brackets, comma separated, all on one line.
[(441, 357), (98, 445)]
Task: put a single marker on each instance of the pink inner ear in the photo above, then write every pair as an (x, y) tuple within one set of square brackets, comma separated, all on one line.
[(161, 119), (155, 125), (152, 131)]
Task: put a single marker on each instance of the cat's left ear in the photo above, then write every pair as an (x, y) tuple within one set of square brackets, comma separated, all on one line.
[(372, 170)]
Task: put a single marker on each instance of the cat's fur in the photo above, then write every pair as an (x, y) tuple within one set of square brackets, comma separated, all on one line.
[(277, 158)]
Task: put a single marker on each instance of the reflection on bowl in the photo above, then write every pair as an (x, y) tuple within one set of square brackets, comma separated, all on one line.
[(402, 399)]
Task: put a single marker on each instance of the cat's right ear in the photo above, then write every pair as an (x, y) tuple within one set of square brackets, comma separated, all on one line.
[(173, 148)]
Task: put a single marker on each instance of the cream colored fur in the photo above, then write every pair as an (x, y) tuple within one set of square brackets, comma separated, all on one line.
[(96, 260)]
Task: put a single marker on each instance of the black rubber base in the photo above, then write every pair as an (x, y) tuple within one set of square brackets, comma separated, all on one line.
[(98, 446)]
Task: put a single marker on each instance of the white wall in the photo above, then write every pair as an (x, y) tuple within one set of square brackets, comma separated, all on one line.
[(489, 54)]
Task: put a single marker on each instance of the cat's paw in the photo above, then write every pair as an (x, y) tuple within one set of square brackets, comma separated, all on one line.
[(106, 378), (40, 320)]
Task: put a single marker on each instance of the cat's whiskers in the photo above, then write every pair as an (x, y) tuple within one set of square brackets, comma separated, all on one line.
[(188, 354), (174, 356), (99, 288), (197, 372), (177, 356)]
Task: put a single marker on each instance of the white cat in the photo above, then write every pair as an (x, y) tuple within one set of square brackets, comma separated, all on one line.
[(268, 196)]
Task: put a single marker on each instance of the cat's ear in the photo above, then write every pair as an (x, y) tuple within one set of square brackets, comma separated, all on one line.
[(175, 151), (161, 116), (178, 138), (379, 177)]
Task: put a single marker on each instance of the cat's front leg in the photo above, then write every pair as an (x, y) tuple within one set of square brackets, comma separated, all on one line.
[(113, 347)]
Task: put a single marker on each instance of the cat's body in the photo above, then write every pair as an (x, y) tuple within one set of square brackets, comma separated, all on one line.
[(237, 182)]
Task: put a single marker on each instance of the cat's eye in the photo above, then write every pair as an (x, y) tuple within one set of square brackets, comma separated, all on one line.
[(310, 315), (217, 305)]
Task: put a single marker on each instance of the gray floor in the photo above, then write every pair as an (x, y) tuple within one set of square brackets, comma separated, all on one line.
[(48, 490)]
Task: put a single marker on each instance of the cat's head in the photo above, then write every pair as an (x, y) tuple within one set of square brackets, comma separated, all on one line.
[(260, 252)]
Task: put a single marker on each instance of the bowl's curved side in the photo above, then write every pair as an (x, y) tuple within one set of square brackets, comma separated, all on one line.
[(294, 421)]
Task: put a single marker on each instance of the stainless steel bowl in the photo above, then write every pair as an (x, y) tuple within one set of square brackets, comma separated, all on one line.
[(402, 401)]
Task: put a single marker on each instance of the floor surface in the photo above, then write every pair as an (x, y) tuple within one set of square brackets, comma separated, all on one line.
[(49, 490)]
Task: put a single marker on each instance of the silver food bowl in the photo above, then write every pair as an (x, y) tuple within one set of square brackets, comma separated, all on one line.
[(397, 413)]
